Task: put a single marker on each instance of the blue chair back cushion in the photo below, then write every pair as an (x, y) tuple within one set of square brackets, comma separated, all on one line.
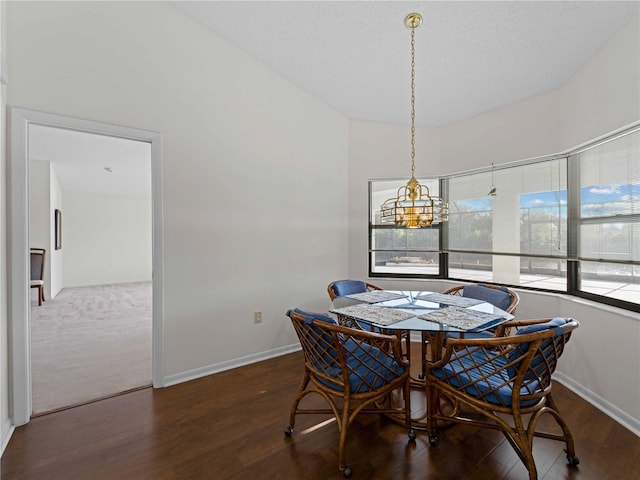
[(348, 287), (309, 317), (327, 356), (538, 363), (538, 327), (499, 298)]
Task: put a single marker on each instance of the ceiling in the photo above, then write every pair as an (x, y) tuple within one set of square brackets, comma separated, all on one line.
[(80, 161), (471, 57)]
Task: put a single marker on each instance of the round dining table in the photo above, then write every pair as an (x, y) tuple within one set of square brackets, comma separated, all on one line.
[(432, 315)]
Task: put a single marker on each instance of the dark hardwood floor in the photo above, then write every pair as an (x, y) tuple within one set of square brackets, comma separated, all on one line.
[(230, 426)]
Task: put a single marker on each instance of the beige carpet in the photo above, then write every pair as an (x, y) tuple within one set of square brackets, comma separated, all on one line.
[(90, 343)]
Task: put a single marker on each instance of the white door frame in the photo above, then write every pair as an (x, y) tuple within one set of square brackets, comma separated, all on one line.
[(18, 247)]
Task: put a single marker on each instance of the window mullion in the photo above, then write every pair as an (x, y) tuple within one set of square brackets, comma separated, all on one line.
[(444, 233), (573, 223)]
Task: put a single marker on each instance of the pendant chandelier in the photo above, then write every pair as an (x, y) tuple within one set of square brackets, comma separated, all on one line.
[(413, 207)]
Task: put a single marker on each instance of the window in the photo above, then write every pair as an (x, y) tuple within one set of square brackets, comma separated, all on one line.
[(515, 235), (566, 223), (608, 224), (470, 228), (400, 251)]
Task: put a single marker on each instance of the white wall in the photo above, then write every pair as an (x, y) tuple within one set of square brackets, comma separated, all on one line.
[(255, 206), (605, 93), (602, 96), (5, 424), (606, 342), (106, 239)]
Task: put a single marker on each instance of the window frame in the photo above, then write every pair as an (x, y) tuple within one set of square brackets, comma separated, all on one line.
[(374, 227), (574, 222)]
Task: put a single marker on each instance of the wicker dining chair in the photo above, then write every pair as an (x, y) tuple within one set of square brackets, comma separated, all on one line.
[(355, 371), (340, 288), (502, 377), (501, 297)]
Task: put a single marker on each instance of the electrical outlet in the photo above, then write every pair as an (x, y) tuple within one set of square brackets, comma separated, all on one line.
[(257, 317)]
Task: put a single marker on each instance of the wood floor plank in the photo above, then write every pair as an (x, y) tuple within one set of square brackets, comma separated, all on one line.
[(230, 426)]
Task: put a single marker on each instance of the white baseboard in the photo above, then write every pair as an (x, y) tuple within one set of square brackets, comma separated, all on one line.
[(620, 416), (7, 432), (229, 364)]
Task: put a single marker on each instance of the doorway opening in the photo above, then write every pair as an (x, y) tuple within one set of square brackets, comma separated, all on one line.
[(28, 128), (91, 337)]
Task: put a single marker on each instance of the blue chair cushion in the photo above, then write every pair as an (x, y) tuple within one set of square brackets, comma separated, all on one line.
[(471, 335), (499, 298), (348, 287), (369, 367), (467, 372)]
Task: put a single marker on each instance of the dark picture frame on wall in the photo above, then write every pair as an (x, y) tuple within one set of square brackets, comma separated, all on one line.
[(58, 229)]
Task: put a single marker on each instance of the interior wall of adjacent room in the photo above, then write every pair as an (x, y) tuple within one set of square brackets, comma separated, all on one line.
[(106, 239), (255, 169), (40, 220), (56, 270), (44, 198)]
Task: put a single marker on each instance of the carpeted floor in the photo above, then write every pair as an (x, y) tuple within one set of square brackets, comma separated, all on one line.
[(90, 343)]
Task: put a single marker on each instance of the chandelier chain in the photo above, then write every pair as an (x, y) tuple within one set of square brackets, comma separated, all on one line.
[(413, 103), (413, 207)]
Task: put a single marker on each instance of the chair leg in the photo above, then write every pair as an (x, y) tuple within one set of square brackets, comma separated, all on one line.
[(520, 439), (294, 408), (345, 469), (40, 295), (406, 393), (423, 353), (407, 344), (522, 444), (568, 437)]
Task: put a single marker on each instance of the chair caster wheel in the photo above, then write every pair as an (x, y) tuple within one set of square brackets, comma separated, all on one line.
[(573, 461), (346, 472), (433, 440), (412, 435), (288, 431)]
